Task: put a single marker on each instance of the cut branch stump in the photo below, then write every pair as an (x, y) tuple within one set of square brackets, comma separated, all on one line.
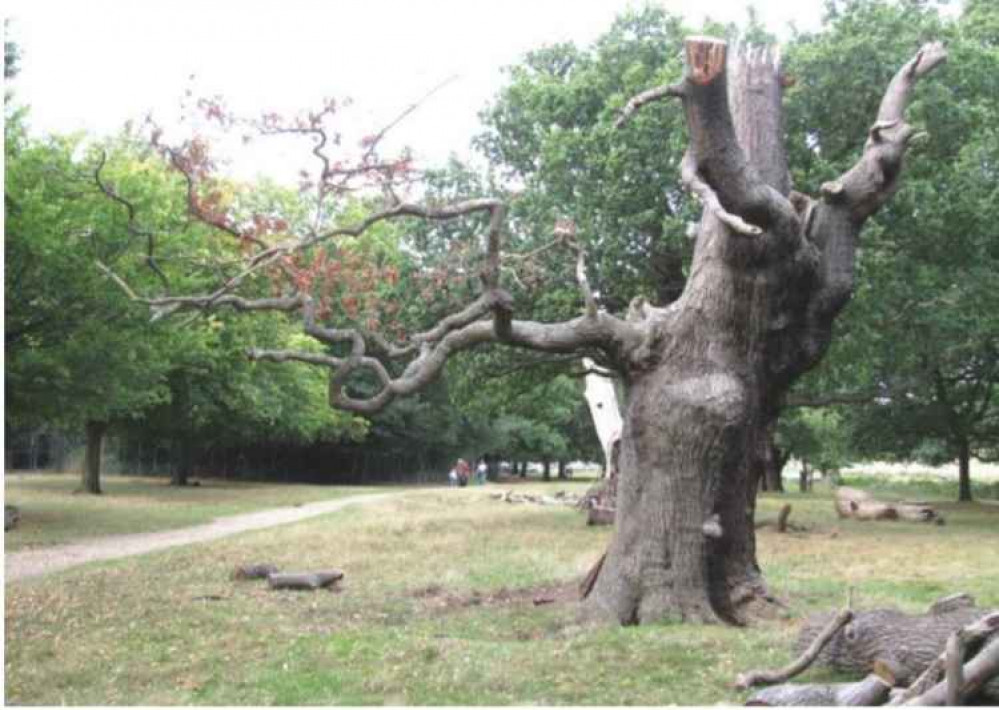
[(255, 571)]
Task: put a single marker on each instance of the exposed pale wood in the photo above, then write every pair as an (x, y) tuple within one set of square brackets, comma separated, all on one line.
[(860, 505), (872, 690)]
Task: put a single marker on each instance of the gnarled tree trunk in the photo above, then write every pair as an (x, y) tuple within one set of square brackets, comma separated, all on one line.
[(771, 270)]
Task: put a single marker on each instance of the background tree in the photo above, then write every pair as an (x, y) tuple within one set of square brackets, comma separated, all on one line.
[(918, 347), (77, 354)]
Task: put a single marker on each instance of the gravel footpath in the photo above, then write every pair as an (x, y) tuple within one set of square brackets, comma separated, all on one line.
[(34, 563)]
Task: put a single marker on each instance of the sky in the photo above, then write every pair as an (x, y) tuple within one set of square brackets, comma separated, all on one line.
[(94, 65)]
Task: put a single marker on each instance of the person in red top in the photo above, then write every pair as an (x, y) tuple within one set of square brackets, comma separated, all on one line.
[(464, 470)]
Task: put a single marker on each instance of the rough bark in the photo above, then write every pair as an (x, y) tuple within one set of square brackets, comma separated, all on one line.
[(92, 459)]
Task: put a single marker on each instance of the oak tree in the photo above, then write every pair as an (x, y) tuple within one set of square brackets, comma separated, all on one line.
[(771, 269)]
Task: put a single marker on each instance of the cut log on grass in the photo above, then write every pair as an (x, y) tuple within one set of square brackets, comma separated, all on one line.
[(599, 515), (906, 644), (861, 505), (748, 680), (257, 571), (304, 580), (11, 516), (873, 690)]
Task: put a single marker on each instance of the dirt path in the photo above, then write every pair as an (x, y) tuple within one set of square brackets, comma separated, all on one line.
[(33, 563)]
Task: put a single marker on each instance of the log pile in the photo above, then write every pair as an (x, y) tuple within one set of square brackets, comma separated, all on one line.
[(948, 656), (861, 505)]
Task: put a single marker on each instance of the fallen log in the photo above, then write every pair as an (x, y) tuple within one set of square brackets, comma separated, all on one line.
[(11, 516), (303, 580), (861, 505), (256, 571), (873, 690)]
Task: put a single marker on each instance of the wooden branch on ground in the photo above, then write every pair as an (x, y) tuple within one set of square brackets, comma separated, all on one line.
[(971, 634), (303, 580), (861, 505), (966, 682), (873, 690), (762, 677)]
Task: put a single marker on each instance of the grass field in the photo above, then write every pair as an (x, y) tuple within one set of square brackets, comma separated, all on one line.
[(437, 608), (51, 513)]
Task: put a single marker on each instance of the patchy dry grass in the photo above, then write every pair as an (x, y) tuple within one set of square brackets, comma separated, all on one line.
[(52, 513), (437, 608)]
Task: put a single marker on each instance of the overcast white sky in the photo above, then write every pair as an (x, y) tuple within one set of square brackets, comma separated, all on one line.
[(94, 64)]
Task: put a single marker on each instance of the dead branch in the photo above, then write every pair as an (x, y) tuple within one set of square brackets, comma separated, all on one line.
[(763, 677), (969, 635)]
